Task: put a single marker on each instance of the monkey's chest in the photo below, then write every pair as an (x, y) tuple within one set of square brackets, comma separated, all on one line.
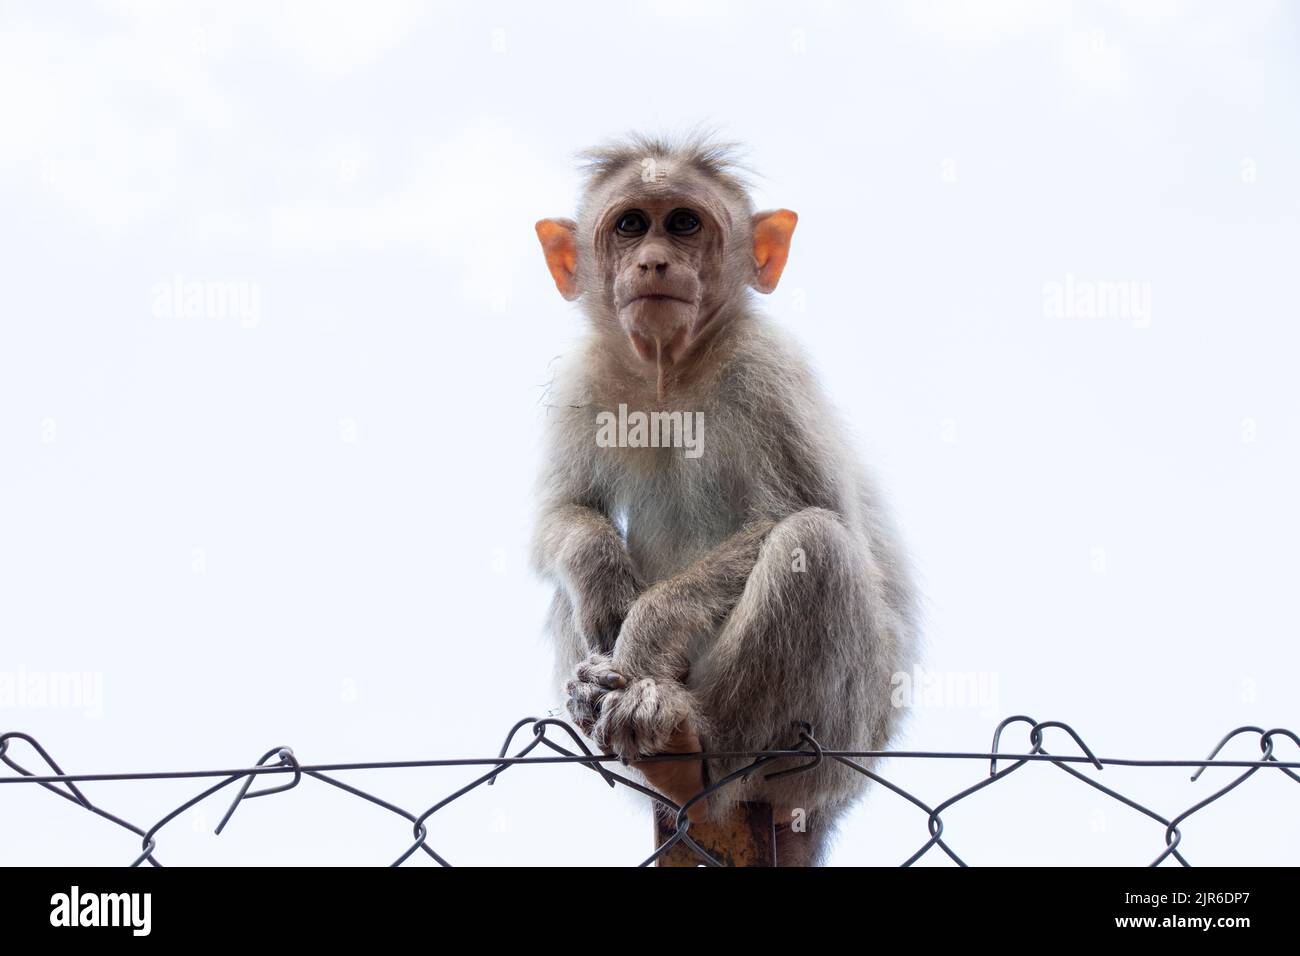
[(671, 515)]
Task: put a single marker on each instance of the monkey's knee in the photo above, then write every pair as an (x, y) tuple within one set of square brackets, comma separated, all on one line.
[(812, 556), (808, 538)]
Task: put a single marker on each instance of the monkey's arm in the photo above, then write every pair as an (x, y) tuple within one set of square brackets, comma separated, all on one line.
[(575, 545), (634, 703), (579, 549), (675, 619), (672, 614)]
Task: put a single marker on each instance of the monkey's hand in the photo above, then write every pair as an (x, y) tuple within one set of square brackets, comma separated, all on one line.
[(594, 679)]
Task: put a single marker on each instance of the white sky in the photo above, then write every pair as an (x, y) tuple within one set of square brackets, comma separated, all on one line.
[(309, 526)]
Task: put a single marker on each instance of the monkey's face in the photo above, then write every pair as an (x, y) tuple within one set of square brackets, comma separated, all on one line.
[(661, 260), (658, 257)]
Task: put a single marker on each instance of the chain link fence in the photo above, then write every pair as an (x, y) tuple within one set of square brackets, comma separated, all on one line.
[(547, 740)]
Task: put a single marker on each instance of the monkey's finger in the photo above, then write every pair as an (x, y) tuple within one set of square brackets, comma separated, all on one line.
[(595, 664), (574, 687), (582, 719), (585, 693), (610, 731), (599, 669)]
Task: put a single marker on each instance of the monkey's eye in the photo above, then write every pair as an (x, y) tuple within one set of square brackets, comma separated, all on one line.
[(682, 222), (632, 223)]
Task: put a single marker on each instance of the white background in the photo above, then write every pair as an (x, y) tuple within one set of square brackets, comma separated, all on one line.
[(311, 528)]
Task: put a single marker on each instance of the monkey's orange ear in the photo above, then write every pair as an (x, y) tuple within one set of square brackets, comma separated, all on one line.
[(772, 232), (561, 248)]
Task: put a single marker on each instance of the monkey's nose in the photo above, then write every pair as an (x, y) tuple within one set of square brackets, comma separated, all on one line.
[(660, 266)]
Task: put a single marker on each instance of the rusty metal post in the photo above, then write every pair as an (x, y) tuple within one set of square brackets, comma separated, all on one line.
[(745, 838)]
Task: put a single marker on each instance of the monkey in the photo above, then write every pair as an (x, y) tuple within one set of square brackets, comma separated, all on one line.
[(710, 603)]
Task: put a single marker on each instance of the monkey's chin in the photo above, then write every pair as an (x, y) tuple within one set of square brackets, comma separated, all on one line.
[(658, 348), (658, 328)]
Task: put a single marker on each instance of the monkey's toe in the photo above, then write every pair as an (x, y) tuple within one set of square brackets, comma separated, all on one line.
[(641, 719)]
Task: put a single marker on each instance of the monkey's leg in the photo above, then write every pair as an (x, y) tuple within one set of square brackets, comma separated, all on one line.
[(800, 841), (673, 615), (633, 703), (810, 639)]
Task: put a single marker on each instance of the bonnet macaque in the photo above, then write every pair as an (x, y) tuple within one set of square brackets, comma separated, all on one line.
[(713, 589)]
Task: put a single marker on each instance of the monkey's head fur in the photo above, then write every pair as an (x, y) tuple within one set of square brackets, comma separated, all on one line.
[(664, 246)]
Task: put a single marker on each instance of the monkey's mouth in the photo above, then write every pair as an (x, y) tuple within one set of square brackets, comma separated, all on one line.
[(659, 297)]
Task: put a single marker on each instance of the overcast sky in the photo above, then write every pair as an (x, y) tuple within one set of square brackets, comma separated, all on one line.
[(299, 513)]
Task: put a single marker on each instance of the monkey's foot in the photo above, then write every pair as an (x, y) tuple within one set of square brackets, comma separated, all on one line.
[(678, 780), (642, 718)]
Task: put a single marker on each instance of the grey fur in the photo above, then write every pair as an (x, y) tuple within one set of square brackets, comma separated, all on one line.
[(679, 574)]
